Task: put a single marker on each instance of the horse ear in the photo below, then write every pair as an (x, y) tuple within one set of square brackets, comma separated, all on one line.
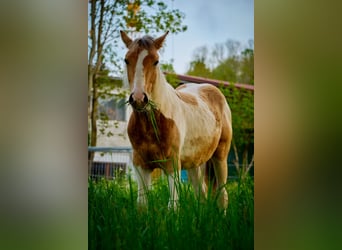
[(158, 43), (125, 38)]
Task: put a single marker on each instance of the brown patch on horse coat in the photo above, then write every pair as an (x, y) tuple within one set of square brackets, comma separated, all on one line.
[(223, 147), (149, 152), (217, 102), (214, 99), (181, 87), (217, 144), (186, 97), (205, 149)]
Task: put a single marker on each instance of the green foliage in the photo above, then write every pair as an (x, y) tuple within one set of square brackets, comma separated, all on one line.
[(225, 63), (106, 84), (161, 19), (104, 125), (227, 70), (198, 68), (107, 88), (171, 77), (139, 16), (115, 221), (241, 102), (247, 66)]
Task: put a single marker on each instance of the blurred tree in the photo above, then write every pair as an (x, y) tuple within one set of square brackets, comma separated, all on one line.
[(241, 102), (218, 53), (227, 70), (198, 67), (233, 47), (106, 18), (247, 66), (225, 61)]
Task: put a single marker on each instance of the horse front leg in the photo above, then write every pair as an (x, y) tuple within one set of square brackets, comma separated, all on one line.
[(144, 184), (174, 179)]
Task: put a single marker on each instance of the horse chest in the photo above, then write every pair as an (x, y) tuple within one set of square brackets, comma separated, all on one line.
[(153, 140)]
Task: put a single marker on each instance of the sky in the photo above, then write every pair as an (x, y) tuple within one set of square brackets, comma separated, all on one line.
[(209, 22)]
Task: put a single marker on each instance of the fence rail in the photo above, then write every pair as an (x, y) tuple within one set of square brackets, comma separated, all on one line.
[(109, 162), (114, 162)]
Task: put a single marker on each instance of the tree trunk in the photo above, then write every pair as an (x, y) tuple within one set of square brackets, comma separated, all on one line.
[(90, 98), (93, 134), (91, 67)]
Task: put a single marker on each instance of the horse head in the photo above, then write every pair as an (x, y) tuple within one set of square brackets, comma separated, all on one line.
[(141, 67)]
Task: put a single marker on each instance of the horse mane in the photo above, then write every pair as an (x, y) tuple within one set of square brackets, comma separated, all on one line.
[(145, 42)]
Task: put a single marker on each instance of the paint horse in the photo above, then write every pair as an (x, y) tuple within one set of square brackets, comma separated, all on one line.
[(174, 129)]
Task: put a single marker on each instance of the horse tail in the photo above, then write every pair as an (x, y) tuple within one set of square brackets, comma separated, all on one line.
[(209, 175)]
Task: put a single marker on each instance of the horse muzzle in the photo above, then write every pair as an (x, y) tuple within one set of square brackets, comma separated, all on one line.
[(138, 100)]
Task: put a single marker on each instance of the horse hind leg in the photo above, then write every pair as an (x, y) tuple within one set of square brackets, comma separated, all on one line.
[(221, 174), (196, 178), (219, 160)]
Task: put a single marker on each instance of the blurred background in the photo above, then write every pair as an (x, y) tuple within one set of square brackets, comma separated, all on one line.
[(44, 54)]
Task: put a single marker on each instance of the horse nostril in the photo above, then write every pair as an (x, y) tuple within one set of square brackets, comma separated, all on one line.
[(130, 100), (145, 98)]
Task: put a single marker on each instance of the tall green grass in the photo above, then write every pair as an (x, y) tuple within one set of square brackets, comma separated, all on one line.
[(117, 222)]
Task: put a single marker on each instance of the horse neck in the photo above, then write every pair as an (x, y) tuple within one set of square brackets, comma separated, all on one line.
[(163, 94)]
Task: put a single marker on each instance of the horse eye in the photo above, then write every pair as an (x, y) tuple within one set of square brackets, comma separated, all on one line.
[(155, 63), (126, 61)]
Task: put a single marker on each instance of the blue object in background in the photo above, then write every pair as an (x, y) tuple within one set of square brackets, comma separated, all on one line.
[(184, 176)]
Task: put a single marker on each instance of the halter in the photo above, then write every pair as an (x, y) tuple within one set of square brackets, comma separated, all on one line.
[(147, 108), (140, 110)]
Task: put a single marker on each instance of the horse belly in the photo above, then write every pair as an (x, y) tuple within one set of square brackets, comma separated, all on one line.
[(201, 138), (198, 151)]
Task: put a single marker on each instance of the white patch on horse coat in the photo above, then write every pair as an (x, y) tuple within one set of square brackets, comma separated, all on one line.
[(144, 183), (139, 77), (193, 121), (172, 179), (125, 79), (205, 126)]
